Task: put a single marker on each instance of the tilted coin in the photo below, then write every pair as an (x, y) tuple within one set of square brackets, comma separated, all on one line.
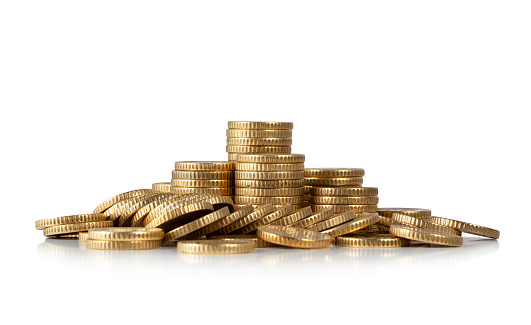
[(125, 234), (216, 225), (260, 125), (202, 182), (424, 223), (75, 227), (204, 174), (258, 213), (282, 183), (179, 216), (265, 220), (323, 181), (414, 212), (216, 246), (204, 165), (259, 141), (161, 187), (467, 227), (235, 133), (257, 241), (426, 235), (83, 236), (195, 225), (333, 221), (344, 200), (343, 191), (293, 237), (287, 191), (389, 221), (258, 149), (299, 214), (172, 203), (338, 208), (268, 199), (376, 240), (114, 212), (269, 175), (313, 218), (138, 218), (123, 245), (293, 158), (115, 199), (125, 218), (357, 223), (203, 190), (333, 172), (91, 217)]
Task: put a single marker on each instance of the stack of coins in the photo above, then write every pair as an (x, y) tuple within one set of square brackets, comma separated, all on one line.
[(203, 177), (258, 137), (130, 238), (72, 225), (275, 179)]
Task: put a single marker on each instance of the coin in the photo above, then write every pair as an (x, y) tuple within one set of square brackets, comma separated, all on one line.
[(293, 237), (114, 212), (299, 214), (323, 181), (173, 218), (215, 246), (333, 221), (344, 200), (204, 165), (202, 183), (288, 191), (343, 191), (138, 219), (271, 158), (424, 223), (275, 206), (346, 207), (313, 219), (233, 157), (260, 125), (281, 183), (125, 234), (259, 141), (125, 218), (426, 235), (258, 213), (195, 225), (216, 174), (203, 190), (258, 149), (268, 199), (414, 212), (333, 172), (257, 241), (269, 167), (123, 245), (375, 240), (75, 228), (235, 133), (115, 199), (357, 223), (161, 187), (269, 175), (91, 217), (172, 203), (265, 220), (467, 227), (216, 225), (83, 236)]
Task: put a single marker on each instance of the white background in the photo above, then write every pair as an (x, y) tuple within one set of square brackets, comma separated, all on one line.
[(432, 98)]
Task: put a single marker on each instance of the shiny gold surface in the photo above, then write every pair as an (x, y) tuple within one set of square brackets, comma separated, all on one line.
[(216, 246), (293, 237)]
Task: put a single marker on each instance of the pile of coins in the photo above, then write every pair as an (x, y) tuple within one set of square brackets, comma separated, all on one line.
[(275, 179), (204, 177), (258, 137)]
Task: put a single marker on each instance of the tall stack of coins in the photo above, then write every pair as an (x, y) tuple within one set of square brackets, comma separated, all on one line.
[(276, 179), (258, 137), (203, 177)]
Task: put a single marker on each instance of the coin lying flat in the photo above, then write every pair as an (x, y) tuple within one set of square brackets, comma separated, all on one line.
[(343, 200), (269, 167), (115, 199), (259, 141), (313, 219), (335, 181), (343, 191), (238, 133), (265, 220), (83, 236), (75, 227), (340, 208), (467, 227), (299, 214), (423, 223), (204, 165), (369, 241), (175, 182), (123, 245), (195, 225), (268, 184), (268, 199), (355, 224), (414, 212), (269, 175), (271, 158), (259, 243), (260, 125), (161, 187), (426, 235), (293, 237), (258, 149), (333, 221), (125, 234), (203, 190), (333, 172), (91, 217), (216, 225), (287, 191), (216, 246), (203, 174)]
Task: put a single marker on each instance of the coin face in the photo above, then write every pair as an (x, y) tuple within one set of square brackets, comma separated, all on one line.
[(294, 237), (216, 246)]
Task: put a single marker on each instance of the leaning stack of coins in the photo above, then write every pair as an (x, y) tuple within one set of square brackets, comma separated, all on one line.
[(124, 238), (258, 137), (72, 225), (275, 179), (203, 177)]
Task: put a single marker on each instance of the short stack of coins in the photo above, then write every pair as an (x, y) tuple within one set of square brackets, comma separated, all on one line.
[(203, 177), (275, 179), (258, 137), (339, 188)]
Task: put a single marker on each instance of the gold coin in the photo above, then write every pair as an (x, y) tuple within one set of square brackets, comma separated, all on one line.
[(238, 133), (195, 225), (375, 240), (125, 218), (344, 200), (125, 234), (173, 218), (259, 212), (269, 175), (333, 221), (254, 238), (75, 228), (467, 227), (426, 235), (216, 174), (123, 245), (260, 125), (171, 203), (299, 214), (287, 191), (204, 165), (216, 225), (343, 191), (275, 206), (258, 149), (203, 190), (161, 187), (265, 220), (414, 212), (233, 157), (424, 223), (114, 212), (268, 199), (282, 142), (83, 236), (115, 199), (334, 172), (91, 217), (293, 158), (138, 218), (269, 167), (323, 181), (313, 219), (202, 183), (357, 223), (346, 207), (293, 237), (215, 246), (281, 183), (389, 221), (221, 201)]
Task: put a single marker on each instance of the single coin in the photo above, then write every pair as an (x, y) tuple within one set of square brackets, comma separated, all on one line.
[(343, 200), (268, 199), (115, 199), (424, 223), (293, 237), (258, 149), (125, 218), (269, 175), (287, 191), (176, 217), (75, 228), (293, 158), (343, 191), (333, 172), (426, 235), (313, 219), (203, 190), (269, 167), (221, 201), (257, 241), (258, 213), (91, 217), (123, 245), (299, 214), (333, 221), (324, 181), (374, 240), (202, 183), (467, 227), (414, 212), (125, 234), (204, 165), (238, 133), (197, 224), (357, 223), (233, 157), (216, 225), (282, 183), (203, 174), (216, 246), (389, 222), (265, 220), (346, 207), (260, 125), (259, 141), (83, 236), (275, 206), (161, 187)]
